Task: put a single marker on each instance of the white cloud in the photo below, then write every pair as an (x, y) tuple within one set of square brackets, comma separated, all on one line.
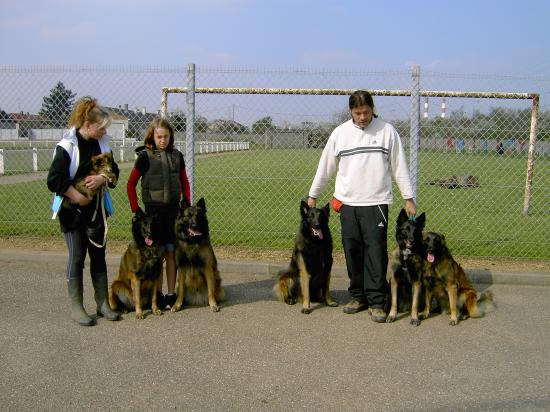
[(71, 33), (205, 56), (159, 4)]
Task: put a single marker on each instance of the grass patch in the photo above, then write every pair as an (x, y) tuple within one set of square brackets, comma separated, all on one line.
[(253, 199)]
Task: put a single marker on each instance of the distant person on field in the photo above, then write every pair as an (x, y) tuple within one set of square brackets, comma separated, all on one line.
[(163, 181), (364, 152), (86, 138)]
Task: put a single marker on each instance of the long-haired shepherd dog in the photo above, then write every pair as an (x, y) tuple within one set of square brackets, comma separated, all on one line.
[(308, 276), (199, 281), (445, 280), (101, 164), (406, 265), (140, 267)]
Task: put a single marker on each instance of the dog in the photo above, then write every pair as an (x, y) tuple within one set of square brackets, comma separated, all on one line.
[(199, 281), (101, 164), (406, 265), (445, 279), (308, 275), (140, 267)]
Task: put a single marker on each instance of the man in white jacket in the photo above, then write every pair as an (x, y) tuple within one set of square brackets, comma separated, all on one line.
[(365, 151)]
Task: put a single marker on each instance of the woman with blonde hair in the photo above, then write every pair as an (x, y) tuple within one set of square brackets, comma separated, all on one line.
[(85, 138)]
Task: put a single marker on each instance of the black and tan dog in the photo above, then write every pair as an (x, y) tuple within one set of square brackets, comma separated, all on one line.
[(199, 281), (406, 266), (308, 276), (140, 267), (445, 280), (101, 164)]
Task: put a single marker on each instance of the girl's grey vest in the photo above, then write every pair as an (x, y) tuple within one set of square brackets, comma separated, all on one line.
[(160, 185)]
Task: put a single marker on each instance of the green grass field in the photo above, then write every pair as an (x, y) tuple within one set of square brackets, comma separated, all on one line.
[(253, 199)]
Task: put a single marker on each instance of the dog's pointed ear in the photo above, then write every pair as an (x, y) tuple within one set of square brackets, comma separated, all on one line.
[(421, 220), (138, 215), (202, 204), (184, 204), (304, 208), (402, 217), (326, 209)]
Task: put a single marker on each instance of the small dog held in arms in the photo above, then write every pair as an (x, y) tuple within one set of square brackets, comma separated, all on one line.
[(406, 263), (101, 164), (445, 280), (199, 281), (140, 267), (308, 276)]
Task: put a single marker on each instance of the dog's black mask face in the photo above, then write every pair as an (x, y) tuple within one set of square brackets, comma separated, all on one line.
[(315, 220), (142, 228), (408, 233), (192, 223), (435, 246)]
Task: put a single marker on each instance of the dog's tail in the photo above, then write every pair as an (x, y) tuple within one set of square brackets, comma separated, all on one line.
[(477, 307), (287, 287), (120, 296)]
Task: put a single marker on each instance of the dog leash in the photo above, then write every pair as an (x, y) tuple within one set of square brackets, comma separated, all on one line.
[(98, 203)]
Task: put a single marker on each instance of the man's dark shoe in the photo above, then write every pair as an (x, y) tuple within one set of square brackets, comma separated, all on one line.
[(378, 315), (354, 306)]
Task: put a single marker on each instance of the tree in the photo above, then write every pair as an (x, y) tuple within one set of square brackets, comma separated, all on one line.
[(263, 125), (57, 107), (179, 121), (5, 120), (201, 124)]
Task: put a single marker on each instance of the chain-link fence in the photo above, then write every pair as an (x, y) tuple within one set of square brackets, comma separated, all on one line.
[(252, 155)]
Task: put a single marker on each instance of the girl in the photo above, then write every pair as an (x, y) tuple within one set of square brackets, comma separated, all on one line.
[(86, 137), (163, 182)]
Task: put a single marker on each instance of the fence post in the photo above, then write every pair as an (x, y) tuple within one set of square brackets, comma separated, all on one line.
[(190, 130), (2, 161), (415, 127), (531, 155), (34, 159)]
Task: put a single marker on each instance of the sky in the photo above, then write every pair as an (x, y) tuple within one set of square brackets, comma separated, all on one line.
[(467, 36)]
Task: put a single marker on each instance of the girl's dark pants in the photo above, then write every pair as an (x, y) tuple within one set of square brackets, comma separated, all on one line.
[(364, 238)]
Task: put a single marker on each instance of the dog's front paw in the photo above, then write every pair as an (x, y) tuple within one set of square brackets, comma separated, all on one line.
[(157, 312), (425, 315), (290, 301), (415, 321), (391, 318), (306, 311), (215, 308), (331, 303), (453, 322), (140, 315), (175, 308)]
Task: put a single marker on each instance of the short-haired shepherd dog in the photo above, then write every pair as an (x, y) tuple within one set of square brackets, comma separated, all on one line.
[(140, 267), (199, 281), (406, 265), (101, 164), (445, 279), (308, 276)]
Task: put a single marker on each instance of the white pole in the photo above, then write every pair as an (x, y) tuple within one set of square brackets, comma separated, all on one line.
[(426, 108), (34, 159)]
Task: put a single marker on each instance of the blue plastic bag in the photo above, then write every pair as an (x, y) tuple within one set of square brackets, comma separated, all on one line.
[(56, 205), (108, 203)]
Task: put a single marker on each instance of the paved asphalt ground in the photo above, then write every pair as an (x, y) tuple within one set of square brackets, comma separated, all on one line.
[(257, 354)]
